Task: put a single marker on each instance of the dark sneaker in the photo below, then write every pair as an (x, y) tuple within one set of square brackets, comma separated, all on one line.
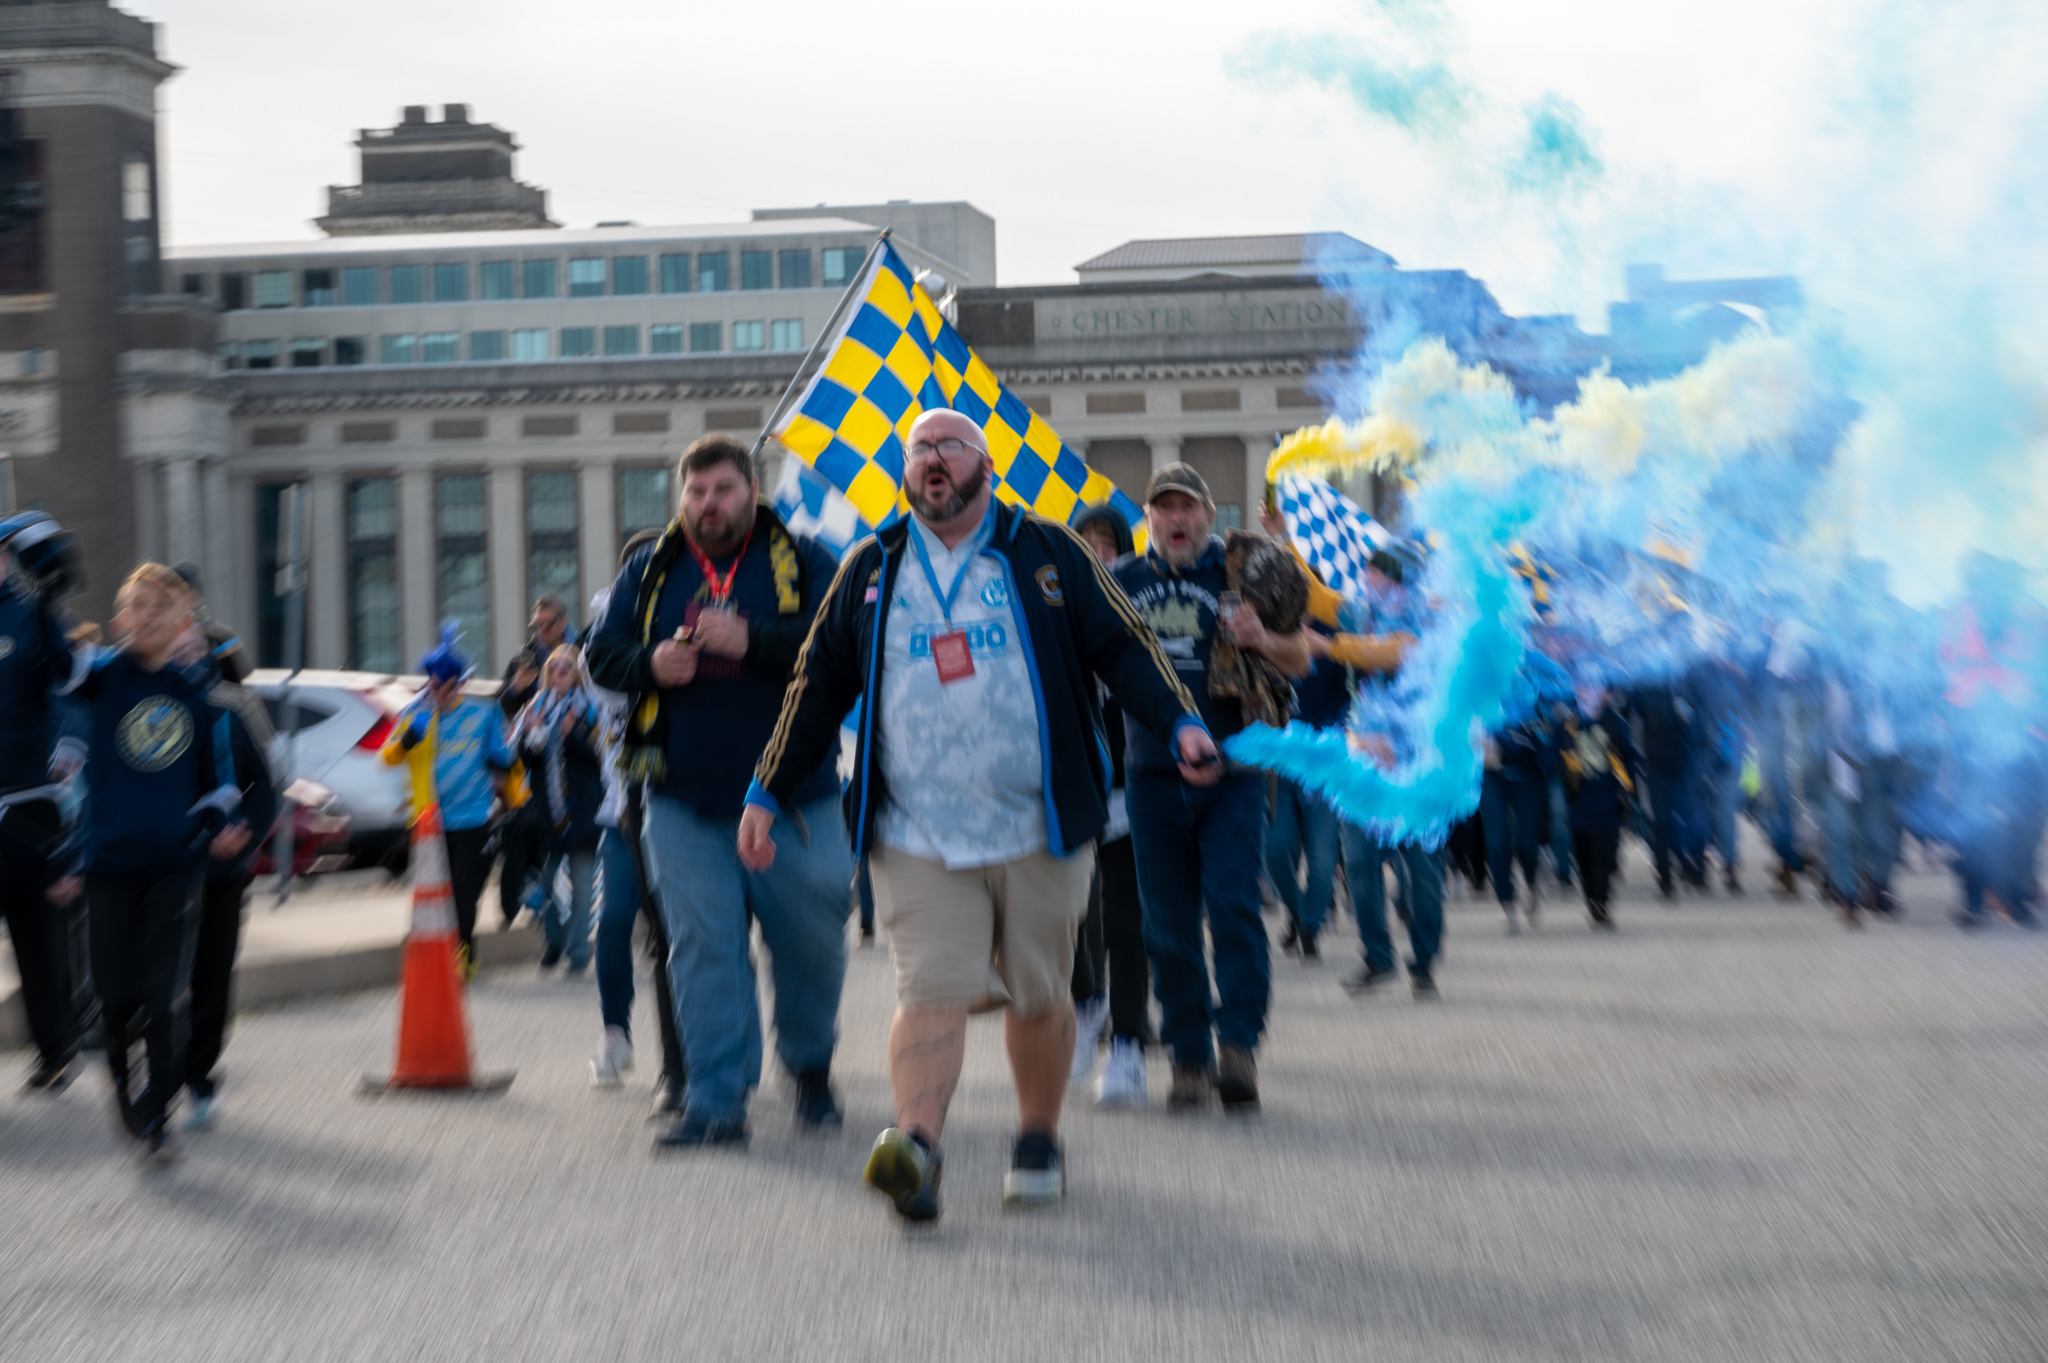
[(1237, 1080), (668, 1099), (907, 1171), (693, 1129), (1290, 941), (551, 957), (1970, 922), (1309, 950), (1424, 984), (867, 934), (1035, 1178), (815, 1106), (1367, 977), (47, 1079), (1192, 1086), (159, 1145)]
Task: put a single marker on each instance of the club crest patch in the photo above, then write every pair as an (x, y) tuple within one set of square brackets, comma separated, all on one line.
[(154, 734), (1049, 585), (995, 594)]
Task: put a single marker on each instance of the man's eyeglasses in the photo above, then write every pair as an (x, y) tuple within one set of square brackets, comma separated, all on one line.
[(950, 447)]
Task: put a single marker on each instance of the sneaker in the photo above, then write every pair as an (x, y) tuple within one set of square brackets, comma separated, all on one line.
[(47, 1079), (1514, 923), (614, 1057), (815, 1106), (551, 957), (907, 1170), (1034, 1179), (693, 1129), (1310, 952), (1122, 1082), (159, 1143), (465, 962), (867, 934), (1424, 984), (1192, 1085), (205, 1111), (1237, 1080), (1366, 977), (1090, 1020), (668, 1099), (1290, 941)]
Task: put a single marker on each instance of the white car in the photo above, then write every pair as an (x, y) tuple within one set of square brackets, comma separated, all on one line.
[(343, 720)]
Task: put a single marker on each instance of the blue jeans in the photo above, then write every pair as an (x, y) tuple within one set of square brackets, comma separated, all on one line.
[(619, 879), (801, 903), (1561, 831), (573, 935), (1198, 850), (1304, 825), (1364, 856), (1511, 811)]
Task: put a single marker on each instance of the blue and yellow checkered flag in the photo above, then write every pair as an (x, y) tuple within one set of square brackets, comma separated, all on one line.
[(895, 357)]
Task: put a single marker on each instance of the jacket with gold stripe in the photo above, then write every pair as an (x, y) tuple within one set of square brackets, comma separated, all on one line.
[(1078, 625)]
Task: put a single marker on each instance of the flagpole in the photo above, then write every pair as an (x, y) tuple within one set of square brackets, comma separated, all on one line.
[(830, 329)]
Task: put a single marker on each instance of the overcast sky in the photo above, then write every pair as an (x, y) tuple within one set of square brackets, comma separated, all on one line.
[(1077, 124)]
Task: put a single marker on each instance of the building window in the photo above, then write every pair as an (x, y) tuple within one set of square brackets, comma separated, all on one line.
[(494, 280), (665, 338), (195, 285), (795, 267), (643, 501), (308, 354), (359, 286), (675, 274), (714, 273), (622, 340), (230, 354), (786, 335), (749, 336), (537, 278), (757, 270), (703, 337), (32, 360), (530, 344), (373, 574), (408, 283), (351, 349), (397, 349), (578, 341), (486, 345), (135, 195), (273, 288), (319, 288), (260, 354), (440, 347), (840, 264), (629, 274), (586, 277), (464, 575), (234, 287), (551, 536), (451, 283)]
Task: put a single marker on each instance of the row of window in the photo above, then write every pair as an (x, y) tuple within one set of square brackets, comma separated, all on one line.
[(502, 280), (537, 343), (462, 564)]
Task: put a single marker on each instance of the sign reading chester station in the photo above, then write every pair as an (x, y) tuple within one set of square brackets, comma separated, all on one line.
[(1061, 318)]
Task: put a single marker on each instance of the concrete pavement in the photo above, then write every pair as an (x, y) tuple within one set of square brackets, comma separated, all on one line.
[(1731, 1131)]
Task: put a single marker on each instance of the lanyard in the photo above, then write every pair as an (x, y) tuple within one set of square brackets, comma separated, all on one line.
[(924, 561), (720, 589)]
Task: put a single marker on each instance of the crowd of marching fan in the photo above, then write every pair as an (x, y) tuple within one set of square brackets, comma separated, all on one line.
[(999, 737)]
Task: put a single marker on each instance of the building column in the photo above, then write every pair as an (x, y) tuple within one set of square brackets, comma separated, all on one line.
[(184, 536), (1164, 452), (597, 530), (508, 566), (216, 552), (242, 590), (149, 542), (1256, 448), (327, 590), (419, 597)]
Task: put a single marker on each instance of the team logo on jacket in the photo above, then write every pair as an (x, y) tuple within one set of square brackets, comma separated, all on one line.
[(6, 646), (154, 734), (1049, 585), (995, 594)]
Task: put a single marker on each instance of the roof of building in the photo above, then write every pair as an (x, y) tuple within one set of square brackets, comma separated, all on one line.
[(1197, 253), (540, 238)]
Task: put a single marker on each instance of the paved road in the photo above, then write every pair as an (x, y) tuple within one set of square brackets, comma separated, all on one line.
[(1733, 1131)]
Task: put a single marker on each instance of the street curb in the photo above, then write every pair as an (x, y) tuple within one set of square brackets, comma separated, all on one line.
[(315, 977)]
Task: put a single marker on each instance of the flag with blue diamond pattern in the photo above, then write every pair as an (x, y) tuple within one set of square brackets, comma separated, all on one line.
[(896, 357), (814, 508), (1336, 537)]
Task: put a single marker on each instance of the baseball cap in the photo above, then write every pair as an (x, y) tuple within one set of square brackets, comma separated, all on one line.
[(1178, 478)]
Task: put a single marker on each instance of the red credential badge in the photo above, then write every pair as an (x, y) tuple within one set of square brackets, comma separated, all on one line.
[(949, 651)]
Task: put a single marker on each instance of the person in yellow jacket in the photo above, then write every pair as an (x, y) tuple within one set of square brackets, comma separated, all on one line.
[(459, 755)]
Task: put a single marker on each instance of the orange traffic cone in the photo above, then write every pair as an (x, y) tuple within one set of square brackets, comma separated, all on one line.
[(433, 1016)]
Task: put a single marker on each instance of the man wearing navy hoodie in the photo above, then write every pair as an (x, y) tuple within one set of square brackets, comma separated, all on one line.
[(162, 793)]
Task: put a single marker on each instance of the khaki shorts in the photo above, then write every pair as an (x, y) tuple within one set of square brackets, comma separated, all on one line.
[(986, 936)]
